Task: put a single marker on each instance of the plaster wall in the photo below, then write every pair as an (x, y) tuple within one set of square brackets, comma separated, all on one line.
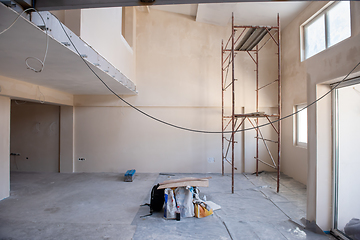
[(101, 29), (179, 81), (316, 73), (268, 103), (294, 92), (4, 147), (35, 136), (129, 26), (126, 139), (71, 18), (60, 14), (246, 98)]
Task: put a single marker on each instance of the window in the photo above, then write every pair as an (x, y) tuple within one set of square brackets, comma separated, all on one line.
[(301, 126), (325, 29)]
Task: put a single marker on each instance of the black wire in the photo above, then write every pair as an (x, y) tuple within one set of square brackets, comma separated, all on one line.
[(196, 130)]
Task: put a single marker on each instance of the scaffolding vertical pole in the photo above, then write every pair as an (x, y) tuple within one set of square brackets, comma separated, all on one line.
[(257, 107), (233, 105), (279, 102), (222, 107)]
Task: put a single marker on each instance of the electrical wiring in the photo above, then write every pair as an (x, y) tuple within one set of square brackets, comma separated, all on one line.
[(42, 62), (197, 130), (40, 94), (139, 110)]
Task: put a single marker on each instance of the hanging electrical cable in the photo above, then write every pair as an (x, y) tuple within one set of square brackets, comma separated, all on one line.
[(197, 130), (42, 62), (144, 113)]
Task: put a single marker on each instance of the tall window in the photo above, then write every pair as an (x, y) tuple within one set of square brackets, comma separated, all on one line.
[(330, 26), (301, 126)]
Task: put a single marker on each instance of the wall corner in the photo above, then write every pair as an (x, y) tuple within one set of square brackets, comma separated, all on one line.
[(5, 104), (66, 139)]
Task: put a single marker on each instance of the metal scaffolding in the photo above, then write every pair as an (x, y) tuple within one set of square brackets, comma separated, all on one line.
[(248, 41)]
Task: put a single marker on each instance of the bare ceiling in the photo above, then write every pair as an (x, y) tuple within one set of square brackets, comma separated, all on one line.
[(218, 12), (246, 13), (64, 70), (46, 5)]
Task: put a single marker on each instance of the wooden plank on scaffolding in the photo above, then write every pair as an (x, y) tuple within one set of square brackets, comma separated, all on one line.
[(255, 115), (252, 37)]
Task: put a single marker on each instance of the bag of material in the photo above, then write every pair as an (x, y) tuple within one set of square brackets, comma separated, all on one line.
[(202, 210), (352, 229), (184, 199), (170, 204)]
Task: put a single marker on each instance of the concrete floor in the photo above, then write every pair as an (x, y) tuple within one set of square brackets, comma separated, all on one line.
[(103, 206)]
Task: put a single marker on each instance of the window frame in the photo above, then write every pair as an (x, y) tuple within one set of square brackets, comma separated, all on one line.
[(296, 125), (323, 11)]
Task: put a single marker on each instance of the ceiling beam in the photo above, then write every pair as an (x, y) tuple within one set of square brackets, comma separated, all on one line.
[(46, 5)]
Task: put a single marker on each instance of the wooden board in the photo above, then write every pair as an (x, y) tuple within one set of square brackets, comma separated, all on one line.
[(193, 183), (255, 115), (184, 179)]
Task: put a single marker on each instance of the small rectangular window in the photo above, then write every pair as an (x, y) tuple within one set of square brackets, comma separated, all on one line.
[(328, 27), (301, 125), (338, 23), (315, 36)]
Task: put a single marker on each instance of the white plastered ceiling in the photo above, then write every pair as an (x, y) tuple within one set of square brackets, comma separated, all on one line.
[(64, 70), (245, 13)]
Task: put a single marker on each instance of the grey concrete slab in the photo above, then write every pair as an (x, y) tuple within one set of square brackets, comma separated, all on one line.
[(40, 230), (103, 206), (254, 209), (72, 206), (156, 227), (266, 230), (292, 231), (240, 230), (291, 210)]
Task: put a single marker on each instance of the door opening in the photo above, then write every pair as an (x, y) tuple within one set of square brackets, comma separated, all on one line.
[(346, 127), (34, 137)]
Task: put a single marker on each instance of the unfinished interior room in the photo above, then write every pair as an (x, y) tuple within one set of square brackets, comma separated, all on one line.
[(179, 119)]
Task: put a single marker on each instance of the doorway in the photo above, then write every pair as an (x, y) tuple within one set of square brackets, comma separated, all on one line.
[(346, 102), (34, 137)]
